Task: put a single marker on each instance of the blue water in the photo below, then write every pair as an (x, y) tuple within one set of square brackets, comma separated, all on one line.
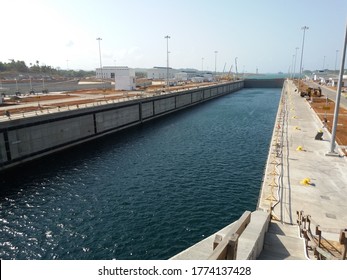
[(146, 193)]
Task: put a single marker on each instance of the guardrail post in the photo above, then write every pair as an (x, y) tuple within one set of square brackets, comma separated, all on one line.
[(232, 247), (217, 239), (309, 222), (343, 240), (319, 233)]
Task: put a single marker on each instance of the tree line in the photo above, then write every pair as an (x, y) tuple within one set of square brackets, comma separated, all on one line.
[(20, 66)]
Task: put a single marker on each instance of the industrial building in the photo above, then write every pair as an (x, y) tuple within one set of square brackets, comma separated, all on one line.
[(123, 76), (160, 73), (106, 72)]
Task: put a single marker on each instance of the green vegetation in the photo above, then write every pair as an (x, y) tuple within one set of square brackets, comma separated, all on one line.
[(14, 68)]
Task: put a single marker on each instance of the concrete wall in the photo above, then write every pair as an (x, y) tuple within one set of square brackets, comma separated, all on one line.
[(28, 138), (250, 243), (264, 83)]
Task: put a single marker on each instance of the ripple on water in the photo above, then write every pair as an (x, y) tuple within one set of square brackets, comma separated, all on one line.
[(146, 193)]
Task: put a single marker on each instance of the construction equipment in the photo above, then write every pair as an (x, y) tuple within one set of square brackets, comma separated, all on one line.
[(315, 92)]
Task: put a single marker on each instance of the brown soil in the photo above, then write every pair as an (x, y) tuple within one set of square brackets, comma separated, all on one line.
[(43, 98), (325, 110)]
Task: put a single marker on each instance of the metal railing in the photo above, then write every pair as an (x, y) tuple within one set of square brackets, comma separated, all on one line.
[(226, 248), (314, 241)]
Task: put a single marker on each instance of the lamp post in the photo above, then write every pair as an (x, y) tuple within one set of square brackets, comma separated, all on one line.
[(296, 51), (215, 63), (338, 97), (99, 39), (302, 52), (323, 62), (336, 59), (202, 64), (236, 67), (167, 37)]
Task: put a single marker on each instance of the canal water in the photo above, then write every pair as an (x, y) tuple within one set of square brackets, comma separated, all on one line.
[(146, 193)]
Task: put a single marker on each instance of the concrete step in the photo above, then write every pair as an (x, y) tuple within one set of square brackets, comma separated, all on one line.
[(282, 247), (266, 255), (283, 229)]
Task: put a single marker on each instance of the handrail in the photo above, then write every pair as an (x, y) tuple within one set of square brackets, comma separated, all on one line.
[(226, 248), (304, 222)]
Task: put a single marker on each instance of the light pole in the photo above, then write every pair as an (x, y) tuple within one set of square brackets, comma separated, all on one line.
[(296, 50), (99, 39), (202, 64), (236, 67), (215, 63), (338, 96), (336, 59), (302, 52), (167, 37), (292, 66), (323, 62)]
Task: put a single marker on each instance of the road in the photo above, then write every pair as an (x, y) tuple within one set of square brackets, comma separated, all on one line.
[(330, 93)]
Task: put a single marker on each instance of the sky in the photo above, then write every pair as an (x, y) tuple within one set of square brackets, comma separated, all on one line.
[(262, 34)]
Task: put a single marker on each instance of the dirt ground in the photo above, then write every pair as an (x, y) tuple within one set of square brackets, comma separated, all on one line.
[(324, 109)]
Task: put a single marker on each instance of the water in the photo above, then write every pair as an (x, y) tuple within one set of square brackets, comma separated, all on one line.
[(146, 193)]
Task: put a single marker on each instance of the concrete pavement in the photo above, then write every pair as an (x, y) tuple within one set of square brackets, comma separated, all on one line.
[(297, 158)]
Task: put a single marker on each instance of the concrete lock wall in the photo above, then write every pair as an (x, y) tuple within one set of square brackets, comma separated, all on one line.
[(264, 83), (25, 139)]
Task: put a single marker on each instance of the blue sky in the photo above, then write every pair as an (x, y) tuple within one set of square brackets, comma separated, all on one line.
[(261, 34)]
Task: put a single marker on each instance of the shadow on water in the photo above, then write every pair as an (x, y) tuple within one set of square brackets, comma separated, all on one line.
[(20, 177)]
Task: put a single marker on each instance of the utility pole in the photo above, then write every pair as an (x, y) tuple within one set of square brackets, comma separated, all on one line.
[(336, 59), (296, 50), (338, 97), (215, 63), (236, 66), (167, 37), (102, 78), (302, 52)]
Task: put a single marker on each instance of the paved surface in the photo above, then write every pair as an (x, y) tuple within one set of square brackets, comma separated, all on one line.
[(330, 93), (324, 198), (283, 242)]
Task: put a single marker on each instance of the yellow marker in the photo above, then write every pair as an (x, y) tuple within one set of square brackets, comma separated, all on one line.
[(305, 182), (299, 148), (297, 128)]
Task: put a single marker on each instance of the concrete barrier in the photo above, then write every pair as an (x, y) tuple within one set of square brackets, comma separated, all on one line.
[(250, 243), (25, 139), (264, 83)]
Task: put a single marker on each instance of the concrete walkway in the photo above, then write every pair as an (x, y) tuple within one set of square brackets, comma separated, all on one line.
[(283, 242), (297, 158)]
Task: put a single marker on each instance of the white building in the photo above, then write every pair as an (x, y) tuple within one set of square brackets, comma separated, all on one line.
[(106, 72), (124, 78), (159, 73), (181, 76)]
